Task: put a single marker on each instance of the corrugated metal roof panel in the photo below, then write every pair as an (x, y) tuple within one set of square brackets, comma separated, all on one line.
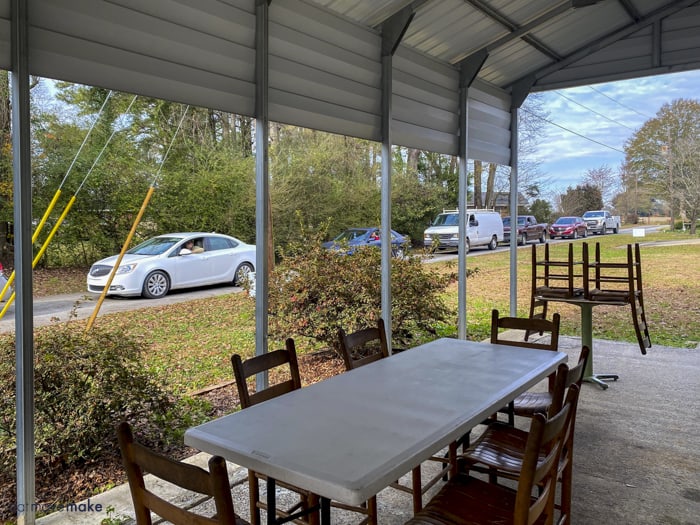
[(325, 55)]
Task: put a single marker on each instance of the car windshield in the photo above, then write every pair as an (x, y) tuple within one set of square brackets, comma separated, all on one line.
[(521, 221), (566, 220), (155, 246), (446, 219), (593, 214), (350, 235), (506, 221)]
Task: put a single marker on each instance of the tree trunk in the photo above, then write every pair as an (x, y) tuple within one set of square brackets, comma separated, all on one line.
[(490, 200), (412, 160), (478, 168)]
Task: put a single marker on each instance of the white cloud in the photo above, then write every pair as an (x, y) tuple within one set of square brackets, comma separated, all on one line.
[(565, 156)]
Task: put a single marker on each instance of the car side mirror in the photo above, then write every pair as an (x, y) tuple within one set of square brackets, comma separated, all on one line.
[(474, 223)]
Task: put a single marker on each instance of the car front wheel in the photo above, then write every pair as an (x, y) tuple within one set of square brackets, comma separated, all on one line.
[(585, 233), (242, 272), (543, 238), (575, 235), (156, 285), (493, 244)]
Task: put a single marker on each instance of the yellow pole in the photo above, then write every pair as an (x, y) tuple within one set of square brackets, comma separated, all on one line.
[(43, 220), (44, 246), (129, 237)]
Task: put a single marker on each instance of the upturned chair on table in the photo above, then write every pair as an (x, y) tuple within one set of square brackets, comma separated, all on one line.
[(213, 485), (366, 346), (619, 282), (553, 278)]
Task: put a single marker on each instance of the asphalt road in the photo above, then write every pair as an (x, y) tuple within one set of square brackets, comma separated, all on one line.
[(59, 308)]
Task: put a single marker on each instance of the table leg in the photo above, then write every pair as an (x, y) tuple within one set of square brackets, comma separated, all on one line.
[(325, 511), (587, 340), (271, 502)]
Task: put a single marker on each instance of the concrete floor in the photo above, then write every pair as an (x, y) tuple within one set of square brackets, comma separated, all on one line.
[(637, 450)]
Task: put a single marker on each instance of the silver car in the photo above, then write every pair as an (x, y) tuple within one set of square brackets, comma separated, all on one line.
[(163, 263)]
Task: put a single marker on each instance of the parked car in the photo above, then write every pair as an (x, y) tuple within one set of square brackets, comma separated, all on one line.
[(528, 229), (163, 263), (570, 227), (602, 221), (484, 228), (354, 238)]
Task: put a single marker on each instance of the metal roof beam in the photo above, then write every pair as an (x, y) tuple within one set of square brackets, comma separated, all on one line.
[(512, 27), (631, 10), (609, 39), (394, 27), (523, 31)]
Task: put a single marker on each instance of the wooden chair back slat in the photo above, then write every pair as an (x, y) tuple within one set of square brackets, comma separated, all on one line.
[(242, 370), (351, 343), (137, 458)]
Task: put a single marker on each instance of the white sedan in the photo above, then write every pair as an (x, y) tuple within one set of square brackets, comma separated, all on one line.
[(163, 263)]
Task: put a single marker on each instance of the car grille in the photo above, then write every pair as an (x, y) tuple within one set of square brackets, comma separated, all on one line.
[(93, 288), (445, 236), (99, 270)]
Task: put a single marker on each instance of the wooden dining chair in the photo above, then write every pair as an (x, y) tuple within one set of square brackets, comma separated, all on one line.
[(619, 282), (366, 346), (467, 499), (500, 450), (284, 361), (243, 370), (553, 278), (528, 403), (138, 459), (363, 346)]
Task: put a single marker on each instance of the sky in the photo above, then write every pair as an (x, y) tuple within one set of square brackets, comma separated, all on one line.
[(608, 114)]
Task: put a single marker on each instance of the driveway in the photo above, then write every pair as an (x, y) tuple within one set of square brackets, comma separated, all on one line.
[(58, 308)]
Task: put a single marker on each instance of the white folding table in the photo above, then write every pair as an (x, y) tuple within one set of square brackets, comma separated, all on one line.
[(350, 436)]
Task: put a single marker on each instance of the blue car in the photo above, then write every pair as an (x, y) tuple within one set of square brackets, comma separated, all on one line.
[(354, 238)]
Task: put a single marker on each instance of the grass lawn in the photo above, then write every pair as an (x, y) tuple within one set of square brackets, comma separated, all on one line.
[(190, 344)]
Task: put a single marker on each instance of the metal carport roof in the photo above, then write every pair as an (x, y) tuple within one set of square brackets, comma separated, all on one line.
[(440, 75)]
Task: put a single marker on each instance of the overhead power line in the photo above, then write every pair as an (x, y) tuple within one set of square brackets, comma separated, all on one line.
[(620, 103), (574, 132), (594, 111)]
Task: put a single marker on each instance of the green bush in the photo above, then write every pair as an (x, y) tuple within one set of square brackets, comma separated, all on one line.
[(314, 291), (85, 383)]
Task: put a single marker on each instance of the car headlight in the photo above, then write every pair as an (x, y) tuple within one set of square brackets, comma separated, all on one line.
[(126, 268)]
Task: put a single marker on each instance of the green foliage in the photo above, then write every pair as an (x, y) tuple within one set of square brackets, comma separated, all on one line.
[(314, 292), (84, 384), (579, 200), (542, 210)]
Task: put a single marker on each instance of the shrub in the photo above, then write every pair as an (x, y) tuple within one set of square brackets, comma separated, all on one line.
[(85, 383), (314, 291)]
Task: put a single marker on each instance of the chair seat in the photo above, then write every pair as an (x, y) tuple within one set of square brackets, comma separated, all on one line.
[(499, 447), (553, 291), (609, 295), (529, 403), (465, 500)]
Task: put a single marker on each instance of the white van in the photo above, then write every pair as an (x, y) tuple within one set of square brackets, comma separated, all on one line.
[(484, 228)]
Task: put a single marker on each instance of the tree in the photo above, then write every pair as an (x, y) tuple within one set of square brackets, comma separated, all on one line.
[(686, 167), (542, 210), (576, 201), (651, 152), (605, 180)]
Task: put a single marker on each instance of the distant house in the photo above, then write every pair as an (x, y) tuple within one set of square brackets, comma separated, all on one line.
[(502, 202)]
